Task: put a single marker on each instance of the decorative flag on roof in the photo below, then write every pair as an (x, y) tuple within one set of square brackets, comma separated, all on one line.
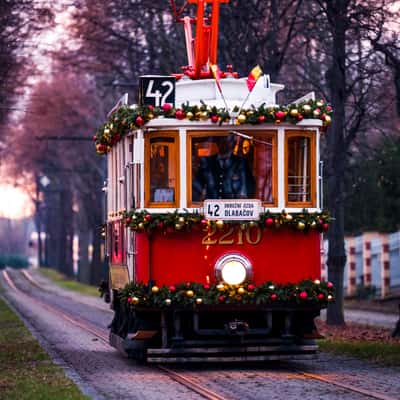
[(252, 79), (216, 72)]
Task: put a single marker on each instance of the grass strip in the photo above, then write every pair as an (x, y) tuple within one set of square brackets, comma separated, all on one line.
[(387, 354), (27, 372), (66, 283)]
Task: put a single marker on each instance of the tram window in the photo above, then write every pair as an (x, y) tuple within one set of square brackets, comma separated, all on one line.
[(117, 243), (265, 167), (232, 167), (162, 173), (299, 166)]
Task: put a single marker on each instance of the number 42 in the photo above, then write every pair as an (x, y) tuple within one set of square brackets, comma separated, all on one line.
[(160, 98)]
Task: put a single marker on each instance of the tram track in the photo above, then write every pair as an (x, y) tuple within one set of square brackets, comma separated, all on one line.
[(182, 378)]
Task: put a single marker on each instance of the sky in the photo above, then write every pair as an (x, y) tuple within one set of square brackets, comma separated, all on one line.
[(15, 203)]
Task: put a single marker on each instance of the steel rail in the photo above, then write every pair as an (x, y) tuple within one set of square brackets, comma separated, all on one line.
[(365, 392), (35, 283), (192, 384), (178, 377)]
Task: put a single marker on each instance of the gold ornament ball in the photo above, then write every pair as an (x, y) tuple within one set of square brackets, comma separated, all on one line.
[(313, 225), (241, 118), (168, 302), (178, 227), (199, 301), (328, 120), (319, 103), (301, 226), (288, 217), (189, 293), (241, 290), (317, 281), (294, 112), (252, 224), (189, 115), (221, 287), (220, 224), (204, 115), (150, 116), (306, 108), (135, 300), (141, 225), (250, 112), (330, 297), (155, 289), (316, 113), (181, 220)]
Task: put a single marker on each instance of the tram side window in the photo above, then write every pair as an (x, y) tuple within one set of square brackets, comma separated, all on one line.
[(299, 167), (116, 243), (162, 170)]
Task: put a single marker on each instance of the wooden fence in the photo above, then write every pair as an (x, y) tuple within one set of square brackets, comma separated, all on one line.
[(373, 263)]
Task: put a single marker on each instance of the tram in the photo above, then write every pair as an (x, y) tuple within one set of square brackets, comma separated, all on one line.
[(214, 213)]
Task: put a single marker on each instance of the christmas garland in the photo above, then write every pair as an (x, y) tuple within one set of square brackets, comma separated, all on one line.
[(127, 118), (183, 222), (192, 294)]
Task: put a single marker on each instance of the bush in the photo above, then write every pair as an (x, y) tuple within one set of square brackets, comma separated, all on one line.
[(13, 261)]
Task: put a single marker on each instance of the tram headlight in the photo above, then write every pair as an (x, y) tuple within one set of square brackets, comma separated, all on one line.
[(233, 269)]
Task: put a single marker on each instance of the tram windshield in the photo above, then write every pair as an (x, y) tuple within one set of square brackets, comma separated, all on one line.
[(233, 167)]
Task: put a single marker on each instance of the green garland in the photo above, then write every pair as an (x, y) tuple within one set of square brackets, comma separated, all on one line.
[(183, 222), (192, 294), (126, 118)]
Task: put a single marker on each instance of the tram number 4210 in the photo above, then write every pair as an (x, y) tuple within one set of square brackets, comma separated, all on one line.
[(157, 90)]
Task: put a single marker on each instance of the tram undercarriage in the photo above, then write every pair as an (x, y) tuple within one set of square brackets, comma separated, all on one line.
[(215, 334)]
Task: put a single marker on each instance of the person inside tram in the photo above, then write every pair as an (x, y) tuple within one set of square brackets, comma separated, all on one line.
[(227, 173)]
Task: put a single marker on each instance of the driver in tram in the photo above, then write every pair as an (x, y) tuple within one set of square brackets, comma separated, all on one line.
[(225, 174)]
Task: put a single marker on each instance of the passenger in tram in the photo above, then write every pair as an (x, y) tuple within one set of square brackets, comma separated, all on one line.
[(226, 174)]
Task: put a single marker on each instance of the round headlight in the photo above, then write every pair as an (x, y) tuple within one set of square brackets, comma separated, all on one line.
[(233, 269)]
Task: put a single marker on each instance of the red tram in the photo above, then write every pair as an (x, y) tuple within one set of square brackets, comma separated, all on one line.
[(214, 215)]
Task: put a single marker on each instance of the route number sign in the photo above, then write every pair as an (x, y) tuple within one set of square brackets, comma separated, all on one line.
[(157, 90)]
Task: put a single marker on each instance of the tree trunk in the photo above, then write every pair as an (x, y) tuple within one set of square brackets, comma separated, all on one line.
[(337, 14)]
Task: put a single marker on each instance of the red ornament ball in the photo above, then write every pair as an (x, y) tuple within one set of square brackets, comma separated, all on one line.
[(303, 295), (139, 121), (300, 117), (329, 285), (95, 137), (129, 300), (250, 287), (274, 296), (269, 221), (261, 119), (172, 289), (147, 217), (179, 114), (167, 107), (321, 296), (214, 119), (206, 286), (221, 299), (325, 226), (280, 115)]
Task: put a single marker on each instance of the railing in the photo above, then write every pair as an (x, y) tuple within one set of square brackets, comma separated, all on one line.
[(373, 264)]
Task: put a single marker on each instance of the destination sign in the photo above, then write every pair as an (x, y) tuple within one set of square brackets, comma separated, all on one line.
[(248, 210)]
